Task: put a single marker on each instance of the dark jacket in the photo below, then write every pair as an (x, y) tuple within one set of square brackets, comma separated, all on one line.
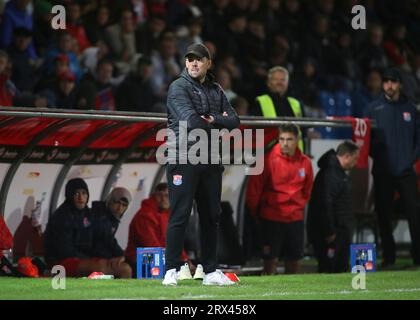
[(188, 100), (105, 225), (330, 205), (136, 95), (395, 141), (68, 234)]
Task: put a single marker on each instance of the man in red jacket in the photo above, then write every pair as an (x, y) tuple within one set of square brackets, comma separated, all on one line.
[(277, 198), (149, 224)]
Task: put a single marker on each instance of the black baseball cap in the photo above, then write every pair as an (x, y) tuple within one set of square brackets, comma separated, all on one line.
[(392, 74), (199, 50)]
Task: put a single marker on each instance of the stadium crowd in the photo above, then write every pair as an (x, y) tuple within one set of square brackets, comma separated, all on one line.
[(122, 55)]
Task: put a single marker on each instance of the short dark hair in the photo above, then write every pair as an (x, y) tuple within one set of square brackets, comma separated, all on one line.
[(289, 127), (161, 186), (347, 147)]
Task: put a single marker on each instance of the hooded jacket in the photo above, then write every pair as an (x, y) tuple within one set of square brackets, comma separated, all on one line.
[(69, 230), (330, 204), (281, 192), (188, 100)]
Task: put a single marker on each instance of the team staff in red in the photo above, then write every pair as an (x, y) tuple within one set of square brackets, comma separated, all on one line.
[(149, 224), (277, 198)]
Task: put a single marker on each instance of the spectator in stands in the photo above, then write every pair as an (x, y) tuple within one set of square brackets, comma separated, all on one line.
[(16, 14), (149, 224), (306, 84), (291, 21), (319, 43), (229, 63), (223, 78), (233, 40), (330, 218), (372, 53), (92, 55), (369, 92), (190, 34), (149, 33), (23, 75), (69, 237), (241, 105), (135, 92), (394, 148), (165, 65), (65, 46), (43, 34), (255, 57), (396, 47), (63, 94), (215, 19), (7, 88), (121, 39), (276, 103), (106, 219), (75, 26), (95, 29), (99, 89), (277, 198), (271, 11), (61, 64)]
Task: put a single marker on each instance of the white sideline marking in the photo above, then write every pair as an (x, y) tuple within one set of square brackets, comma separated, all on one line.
[(272, 294)]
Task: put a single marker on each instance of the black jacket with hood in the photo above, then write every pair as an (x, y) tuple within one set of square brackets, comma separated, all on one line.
[(330, 205), (69, 230), (188, 100)]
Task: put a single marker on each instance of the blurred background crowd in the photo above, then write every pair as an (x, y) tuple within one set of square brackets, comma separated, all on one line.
[(122, 55)]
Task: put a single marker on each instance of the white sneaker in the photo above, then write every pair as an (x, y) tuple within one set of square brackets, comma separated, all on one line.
[(184, 273), (199, 273), (171, 277), (217, 278)]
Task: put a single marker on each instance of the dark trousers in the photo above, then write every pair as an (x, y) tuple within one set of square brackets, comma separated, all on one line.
[(385, 187), (333, 257), (202, 183)]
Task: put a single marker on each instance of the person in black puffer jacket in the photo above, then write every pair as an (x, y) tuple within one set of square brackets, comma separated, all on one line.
[(195, 101), (107, 216), (330, 218)]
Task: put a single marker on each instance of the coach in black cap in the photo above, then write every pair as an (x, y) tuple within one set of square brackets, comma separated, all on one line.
[(199, 50), (392, 74), (195, 100), (395, 147)]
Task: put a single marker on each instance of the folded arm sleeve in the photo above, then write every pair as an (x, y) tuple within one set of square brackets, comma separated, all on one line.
[(181, 106), (231, 121)]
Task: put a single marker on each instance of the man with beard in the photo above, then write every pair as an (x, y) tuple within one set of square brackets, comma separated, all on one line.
[(395, 147), (195, 101)]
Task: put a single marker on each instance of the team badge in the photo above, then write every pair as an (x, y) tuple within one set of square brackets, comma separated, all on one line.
[(177, 180), (407, 116), (86, 222), (302, 172)]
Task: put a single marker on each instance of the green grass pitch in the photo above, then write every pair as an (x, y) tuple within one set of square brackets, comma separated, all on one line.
[(386, 285)]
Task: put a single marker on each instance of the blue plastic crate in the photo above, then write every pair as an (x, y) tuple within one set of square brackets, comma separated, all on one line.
[(363, 255), (150, 263)]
